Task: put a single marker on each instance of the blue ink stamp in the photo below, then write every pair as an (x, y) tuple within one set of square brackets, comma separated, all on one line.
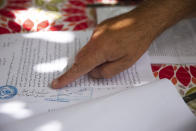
[(7, 92)]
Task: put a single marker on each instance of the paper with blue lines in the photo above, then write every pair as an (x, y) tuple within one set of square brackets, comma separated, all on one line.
[(29, 62)]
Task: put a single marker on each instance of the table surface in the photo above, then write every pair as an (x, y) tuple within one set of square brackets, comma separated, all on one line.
[(19, 16)]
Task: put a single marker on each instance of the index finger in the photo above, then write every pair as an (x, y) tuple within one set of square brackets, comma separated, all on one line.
[(87, 59)]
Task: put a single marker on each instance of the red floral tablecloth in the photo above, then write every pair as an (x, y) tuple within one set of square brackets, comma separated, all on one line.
[(183, 76), (17, 16), (44, 15)]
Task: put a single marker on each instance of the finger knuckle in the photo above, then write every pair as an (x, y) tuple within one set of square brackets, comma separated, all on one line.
[(75, 68)]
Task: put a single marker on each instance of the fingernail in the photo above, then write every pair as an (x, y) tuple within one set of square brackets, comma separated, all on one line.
[(55, 83)]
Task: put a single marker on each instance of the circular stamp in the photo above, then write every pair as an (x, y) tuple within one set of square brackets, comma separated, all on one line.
[(7, 92)]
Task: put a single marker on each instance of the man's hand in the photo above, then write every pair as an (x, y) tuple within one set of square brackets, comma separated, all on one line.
[(115, 45), (119, 42)]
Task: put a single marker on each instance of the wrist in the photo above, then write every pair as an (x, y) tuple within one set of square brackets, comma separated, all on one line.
[(158, 15)]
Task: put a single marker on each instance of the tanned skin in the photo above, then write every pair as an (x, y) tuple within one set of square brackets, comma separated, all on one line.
[(117, 43)]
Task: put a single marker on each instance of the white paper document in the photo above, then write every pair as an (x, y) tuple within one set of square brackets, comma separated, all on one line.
[(29, 62), (153, 107), (108, 12), (176, 45)]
